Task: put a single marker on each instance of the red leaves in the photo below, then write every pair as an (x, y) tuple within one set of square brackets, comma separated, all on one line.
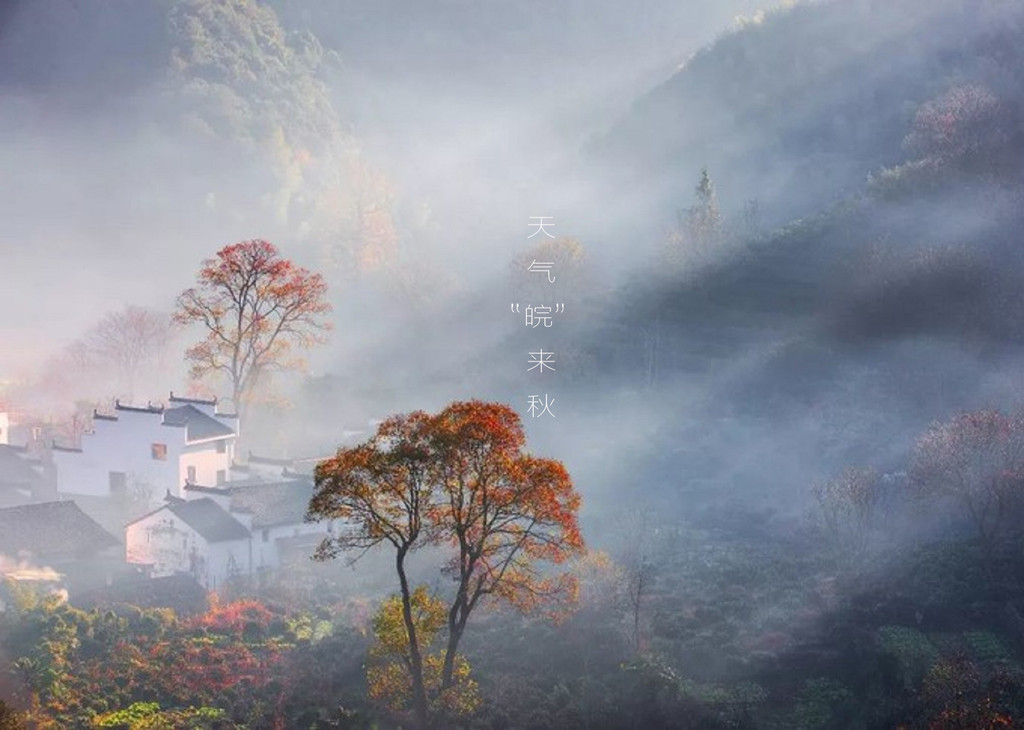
[(964, 121), (233, 618), (458, 477), (978, 459), (232, 657), (255, 307)]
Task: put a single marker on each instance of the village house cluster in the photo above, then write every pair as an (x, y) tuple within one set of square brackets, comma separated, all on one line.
[(153, 492)]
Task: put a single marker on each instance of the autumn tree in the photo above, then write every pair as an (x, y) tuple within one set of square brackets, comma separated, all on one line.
[(847, 508), (458, 479), (958, 693), (507, 513), (976, 459), (257, 309), (388, 675), (964, 122), (380, 490)]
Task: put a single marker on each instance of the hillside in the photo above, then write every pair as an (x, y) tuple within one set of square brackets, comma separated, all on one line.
[(796, 109)]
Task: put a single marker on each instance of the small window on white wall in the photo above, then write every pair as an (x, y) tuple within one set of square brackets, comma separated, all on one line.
[(118, 482), (221, 476), (159, 452), (190, 475)]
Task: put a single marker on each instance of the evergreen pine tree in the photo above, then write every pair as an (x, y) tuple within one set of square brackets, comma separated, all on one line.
[(704, 220)]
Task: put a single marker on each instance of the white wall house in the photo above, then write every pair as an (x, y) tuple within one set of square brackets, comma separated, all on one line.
[(197, 537), (274, 513), (24, 478), (277, 511), (216, 533), (153, 449)]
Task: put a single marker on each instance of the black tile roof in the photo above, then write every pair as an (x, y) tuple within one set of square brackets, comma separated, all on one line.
[(199, 425), (271, 461), (199, 488), (15, 468), (273, 503), (299, 547), (209, 519), (198, 401), (148, 408), (50, 530)]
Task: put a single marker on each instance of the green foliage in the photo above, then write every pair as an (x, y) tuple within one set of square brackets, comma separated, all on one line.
[(388, 675), (238, 664), (913, 650), (986, 647), (818, 703), (128, 716), (149, 716), (10, 719), (309, 628), (732, 704), (907, 181), (236, 68)]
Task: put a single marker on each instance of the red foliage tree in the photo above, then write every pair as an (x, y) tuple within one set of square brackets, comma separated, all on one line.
[(256, 308), (978, 460), (457, 478), (962, 123)]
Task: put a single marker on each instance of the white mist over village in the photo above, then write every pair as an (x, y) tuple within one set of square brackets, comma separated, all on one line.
[(153, 491)]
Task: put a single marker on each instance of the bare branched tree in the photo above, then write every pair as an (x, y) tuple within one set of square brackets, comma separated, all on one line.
[(131, 342)]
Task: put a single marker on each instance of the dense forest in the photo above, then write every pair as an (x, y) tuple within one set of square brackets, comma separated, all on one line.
[(788, 385)]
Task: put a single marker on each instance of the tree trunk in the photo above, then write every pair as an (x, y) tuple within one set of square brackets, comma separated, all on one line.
[(456, 627), (419, 692)]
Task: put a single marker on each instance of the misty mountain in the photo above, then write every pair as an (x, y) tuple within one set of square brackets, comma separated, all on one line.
[(874, 293), (796, 108), (879, 287), (198, 122)]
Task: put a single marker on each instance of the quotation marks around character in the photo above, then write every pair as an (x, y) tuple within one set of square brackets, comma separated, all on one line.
[(540, 314)]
